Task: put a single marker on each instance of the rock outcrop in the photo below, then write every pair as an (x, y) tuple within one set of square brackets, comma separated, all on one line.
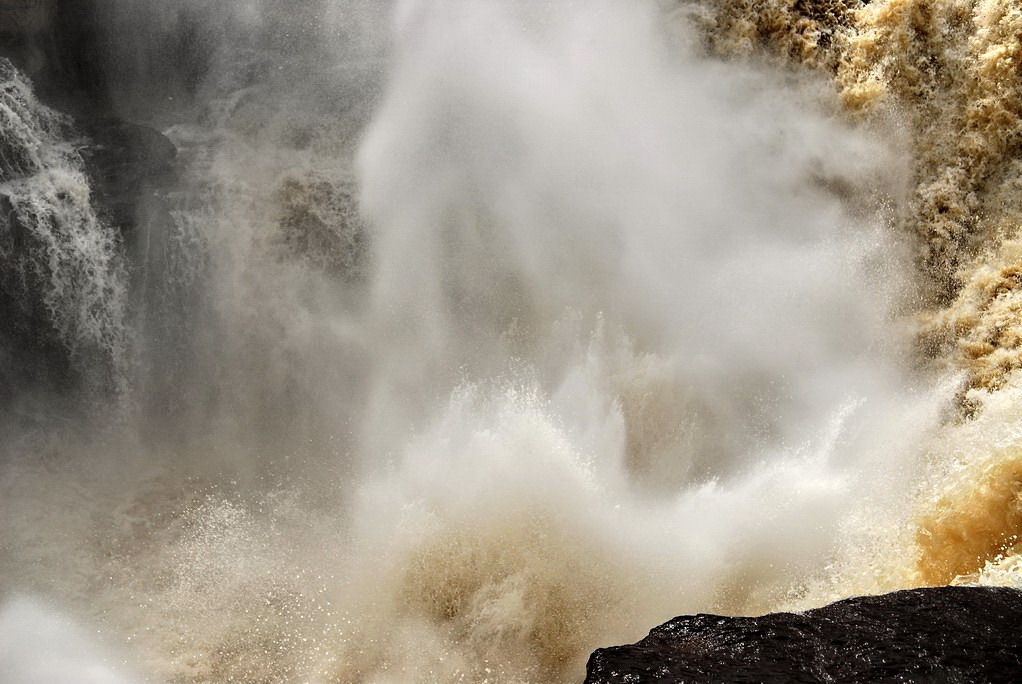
[(946, 634), (125, 160)]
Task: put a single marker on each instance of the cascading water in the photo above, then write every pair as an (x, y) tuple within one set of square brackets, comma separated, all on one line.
[(62, 283), (469, 337)]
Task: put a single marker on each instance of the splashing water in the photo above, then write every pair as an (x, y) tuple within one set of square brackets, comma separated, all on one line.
[(459, 355), (61, 263)]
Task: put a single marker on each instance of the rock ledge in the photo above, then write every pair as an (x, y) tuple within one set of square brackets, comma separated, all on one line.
[(945, 634)]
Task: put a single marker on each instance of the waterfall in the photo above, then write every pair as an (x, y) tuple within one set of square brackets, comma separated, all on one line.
[(464, 338)]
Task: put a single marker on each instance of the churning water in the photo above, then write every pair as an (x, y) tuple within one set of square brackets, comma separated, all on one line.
[(470, 337)]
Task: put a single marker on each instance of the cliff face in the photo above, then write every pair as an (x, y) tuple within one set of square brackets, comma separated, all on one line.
[(951, 634)]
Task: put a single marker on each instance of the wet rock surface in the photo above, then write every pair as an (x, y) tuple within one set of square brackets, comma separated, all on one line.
[(945, 634), (124, 161)]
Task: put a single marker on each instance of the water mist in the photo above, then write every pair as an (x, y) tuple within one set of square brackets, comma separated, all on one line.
[(470, 340)]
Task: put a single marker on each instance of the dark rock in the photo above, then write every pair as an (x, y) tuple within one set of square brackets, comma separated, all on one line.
[(76, 78), (124, 160), (24, 30), (56, 44), (945, 634)]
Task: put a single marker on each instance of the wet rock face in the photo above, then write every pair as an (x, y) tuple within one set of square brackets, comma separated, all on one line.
[(56, 45), (946, 634), (24, 25), (125, 160)]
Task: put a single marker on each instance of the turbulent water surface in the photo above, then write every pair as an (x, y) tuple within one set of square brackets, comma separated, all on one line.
[(468, 337)]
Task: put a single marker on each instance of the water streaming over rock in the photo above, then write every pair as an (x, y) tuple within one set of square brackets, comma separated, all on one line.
[(62, 284)]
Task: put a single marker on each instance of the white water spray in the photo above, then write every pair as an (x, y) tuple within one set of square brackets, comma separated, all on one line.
[(602, 336)]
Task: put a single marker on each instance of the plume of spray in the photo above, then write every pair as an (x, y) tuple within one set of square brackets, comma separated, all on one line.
[(606, 338), (671, 337)]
